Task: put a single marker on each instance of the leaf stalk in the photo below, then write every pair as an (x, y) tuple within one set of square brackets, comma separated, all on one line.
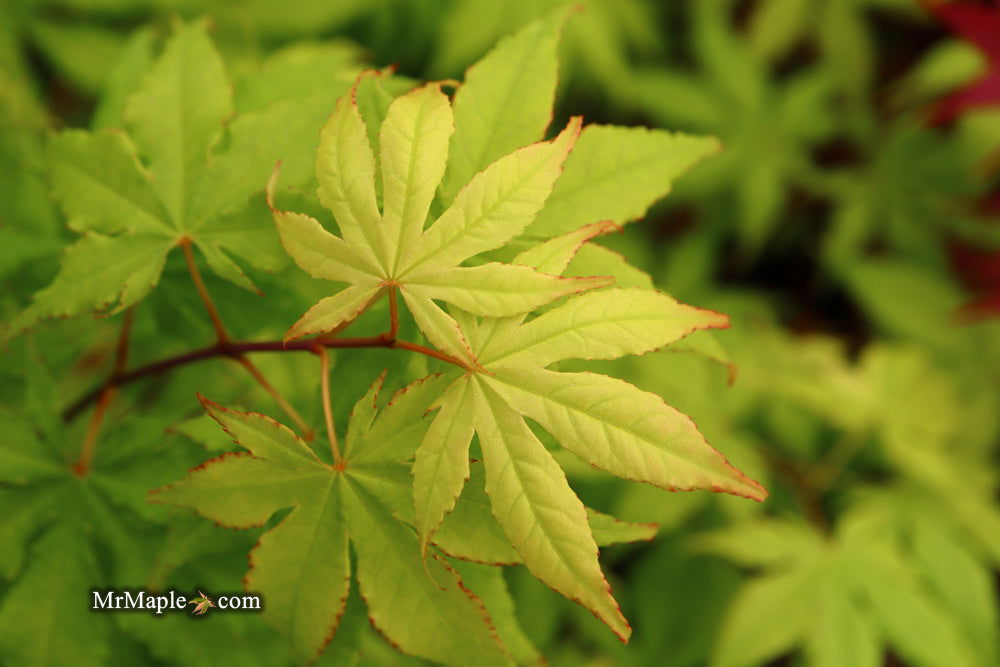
[(331, 432)]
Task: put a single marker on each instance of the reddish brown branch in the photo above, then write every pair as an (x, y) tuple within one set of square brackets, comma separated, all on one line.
[(237, 349), (222, 336)]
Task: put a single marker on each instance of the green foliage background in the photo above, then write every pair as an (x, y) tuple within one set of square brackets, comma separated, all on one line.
[(859, 397)]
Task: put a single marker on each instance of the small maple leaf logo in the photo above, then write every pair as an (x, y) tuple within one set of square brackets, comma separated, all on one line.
[(202, 603)]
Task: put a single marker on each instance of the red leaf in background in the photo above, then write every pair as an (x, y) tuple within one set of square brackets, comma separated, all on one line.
[(979, 25), (979, 270)]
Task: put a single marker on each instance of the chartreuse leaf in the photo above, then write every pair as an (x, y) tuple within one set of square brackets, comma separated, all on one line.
[(555, 254), (506, 100), (609, 423), (597, 260), (442, 462), (497, 203), (413, 142), (390, 248), (599, 325), (345, 169), (630, 433), (333, 311), (661, 446), (608, 530), (302, 566), (543, 519)]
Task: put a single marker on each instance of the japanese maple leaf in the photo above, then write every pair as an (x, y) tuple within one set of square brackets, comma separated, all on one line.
[(846, 598), (202, 603), (136, 193), (980, 26), (769, 125), (302, 566), (609, 423), (389, 249), (62, 534)]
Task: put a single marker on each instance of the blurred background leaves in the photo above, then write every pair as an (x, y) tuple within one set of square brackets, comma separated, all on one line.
[(850, 226)]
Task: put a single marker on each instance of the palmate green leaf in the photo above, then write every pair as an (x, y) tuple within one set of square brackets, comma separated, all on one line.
[(768, 128), (842, 601), (35, 609), (613, 173), (442, 462), (99, 272), (616, 174), (611, 424), (598, 325), (166, 180), (543, 519), (630, 433), (65, 535), (121, 81), (302, 565), (176, 116), (751, 636), (390, 248), (944, 555), (102, 188)]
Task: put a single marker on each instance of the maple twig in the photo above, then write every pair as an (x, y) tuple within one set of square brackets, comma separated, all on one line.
[(206, 298), (289, 409), (82, 465), (237, 349), (331, 433), (223, 337)]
